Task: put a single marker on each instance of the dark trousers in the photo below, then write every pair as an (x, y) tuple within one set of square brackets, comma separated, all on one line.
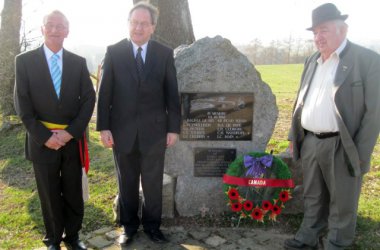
[(130, 167), (60, 190), (331, 194)]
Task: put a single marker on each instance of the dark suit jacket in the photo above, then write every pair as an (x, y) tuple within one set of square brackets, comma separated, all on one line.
[(149, 108), (35, 100), (357, 104)]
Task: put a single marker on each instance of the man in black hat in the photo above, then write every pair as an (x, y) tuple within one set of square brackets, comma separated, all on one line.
[(335, 127)]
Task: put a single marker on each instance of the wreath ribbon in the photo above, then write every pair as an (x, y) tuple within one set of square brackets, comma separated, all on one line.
[(257, 165), (258, 182)]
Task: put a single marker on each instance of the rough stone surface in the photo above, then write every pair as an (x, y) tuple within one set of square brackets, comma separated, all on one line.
[(112, 235), (102, 230), (194, 193), (215, 241), (168, 197), (185, 238), (199, 234), (99, 242), (214, 65)]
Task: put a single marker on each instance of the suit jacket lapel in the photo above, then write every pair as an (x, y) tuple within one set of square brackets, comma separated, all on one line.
[(127, 53), (66, 65), (45, 71), (346, 62), (149, 58)]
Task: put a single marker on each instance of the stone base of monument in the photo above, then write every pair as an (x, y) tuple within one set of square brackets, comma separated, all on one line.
[(168, 197), (167, 200)]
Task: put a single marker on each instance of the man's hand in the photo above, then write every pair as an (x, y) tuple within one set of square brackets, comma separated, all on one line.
[(171, 139), (106, 138), (54, 142), (291, 147), (63, 135)]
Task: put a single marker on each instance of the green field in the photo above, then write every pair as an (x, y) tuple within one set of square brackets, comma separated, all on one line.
[(20, 217)]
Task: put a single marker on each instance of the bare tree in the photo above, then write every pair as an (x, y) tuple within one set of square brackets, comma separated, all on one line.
[(253, 50), (9, 48), (288, 46), (174, 25)]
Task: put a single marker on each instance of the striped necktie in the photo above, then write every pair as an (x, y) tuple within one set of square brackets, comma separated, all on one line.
[(55, 73)]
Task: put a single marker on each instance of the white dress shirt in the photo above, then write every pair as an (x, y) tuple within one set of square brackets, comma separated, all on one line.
[(49, 54), (318, 113), (143, 51)]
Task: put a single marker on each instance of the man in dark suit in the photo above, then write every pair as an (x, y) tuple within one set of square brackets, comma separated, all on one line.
[(54, 98), (139, 116), (335, 126)]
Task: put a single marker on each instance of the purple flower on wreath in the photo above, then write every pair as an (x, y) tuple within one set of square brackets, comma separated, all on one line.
[(257, 165)]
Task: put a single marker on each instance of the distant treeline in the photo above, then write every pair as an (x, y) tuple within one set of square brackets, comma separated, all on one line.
[(291, 51)]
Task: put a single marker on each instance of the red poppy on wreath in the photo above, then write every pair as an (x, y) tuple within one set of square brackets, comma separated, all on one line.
[(266, 205), (236, 207), (248, 205), (284, 196), (276, 209), (233, 194), (257, 214)]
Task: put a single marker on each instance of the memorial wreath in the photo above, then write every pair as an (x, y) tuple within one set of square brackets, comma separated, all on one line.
[(257, 185)]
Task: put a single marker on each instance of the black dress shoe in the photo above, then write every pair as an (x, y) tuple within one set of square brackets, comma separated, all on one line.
[(293, 244), (54, 247), (156, 236), (126, 238), (75, 245)]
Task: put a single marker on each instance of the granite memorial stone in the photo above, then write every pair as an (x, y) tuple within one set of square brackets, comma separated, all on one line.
[(223, 86)]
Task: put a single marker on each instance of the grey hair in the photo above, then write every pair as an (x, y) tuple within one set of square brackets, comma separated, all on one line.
[(153, 11), (56, 13), (340, 24)]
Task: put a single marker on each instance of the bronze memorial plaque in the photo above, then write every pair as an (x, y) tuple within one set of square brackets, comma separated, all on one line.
[(216, 116), (212, 162)]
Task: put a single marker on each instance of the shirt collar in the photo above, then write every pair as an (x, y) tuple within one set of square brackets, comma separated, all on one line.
[(337, 52), (49, 53), (135, 47), (341, 47)]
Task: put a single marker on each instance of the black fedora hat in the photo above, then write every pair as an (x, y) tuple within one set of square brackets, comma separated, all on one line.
[(325, 12)]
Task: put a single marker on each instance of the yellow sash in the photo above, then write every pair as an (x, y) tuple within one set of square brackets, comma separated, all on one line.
[(51, 126)]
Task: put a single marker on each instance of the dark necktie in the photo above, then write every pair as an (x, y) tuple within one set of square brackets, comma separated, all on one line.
[(140, 63)]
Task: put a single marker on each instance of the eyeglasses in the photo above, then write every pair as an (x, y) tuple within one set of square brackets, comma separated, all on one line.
[(135, 24), (58, 27)]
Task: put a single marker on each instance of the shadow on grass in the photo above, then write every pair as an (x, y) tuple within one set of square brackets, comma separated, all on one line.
[(94, 217), (15, 170), (367, 234)]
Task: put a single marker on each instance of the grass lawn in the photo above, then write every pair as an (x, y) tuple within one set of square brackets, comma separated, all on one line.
[(21, 224)]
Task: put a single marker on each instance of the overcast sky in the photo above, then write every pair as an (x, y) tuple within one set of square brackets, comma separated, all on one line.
[(99, 22)]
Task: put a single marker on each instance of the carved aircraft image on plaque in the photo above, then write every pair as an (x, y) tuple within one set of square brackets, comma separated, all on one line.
[(216, 116)]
